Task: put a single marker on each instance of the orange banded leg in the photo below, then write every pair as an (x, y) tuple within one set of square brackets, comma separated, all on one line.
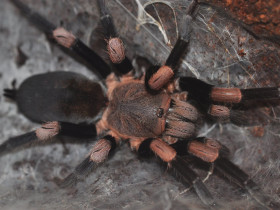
[(115, 46), (65, 39), (178, 166), (99, 153), (156, 77), (207, 94), (47, 132), (212, 151), (236, 95), (239, 117)]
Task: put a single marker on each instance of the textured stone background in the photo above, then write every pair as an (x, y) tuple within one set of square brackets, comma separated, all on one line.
[(221, 52)]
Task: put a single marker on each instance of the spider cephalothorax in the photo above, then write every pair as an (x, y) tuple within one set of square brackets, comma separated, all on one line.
[(134, 112), (152, 114)]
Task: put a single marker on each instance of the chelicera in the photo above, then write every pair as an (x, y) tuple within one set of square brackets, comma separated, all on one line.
[(156, 113)]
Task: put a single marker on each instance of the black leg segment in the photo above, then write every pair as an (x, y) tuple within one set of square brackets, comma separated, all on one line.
[(178, 166), (206, 94), (157, 79), (239, 177), (18, 141), (115, 46), (188, 176), (35, 18), (65, 39), (82, 130), (46, 133), (99, 153)]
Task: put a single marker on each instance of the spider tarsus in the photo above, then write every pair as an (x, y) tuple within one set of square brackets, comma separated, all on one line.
[(190, 178), (186, 28), (35, 18), (179, 167), (17, 141), (106, 20), (239, 177), (80, 172), (204, 194), (101, 150), (192, 8), (70, 181), (164, 74)]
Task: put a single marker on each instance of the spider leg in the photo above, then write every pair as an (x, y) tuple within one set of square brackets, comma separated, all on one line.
[(234, 174), (66, 39), (156, 77), (46, 133), (223, 114), (208, 94), (115, 45), (99, 153), (178, 166), (211, 151)]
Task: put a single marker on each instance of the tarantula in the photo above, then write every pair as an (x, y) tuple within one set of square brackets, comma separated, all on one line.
[(155, 113)]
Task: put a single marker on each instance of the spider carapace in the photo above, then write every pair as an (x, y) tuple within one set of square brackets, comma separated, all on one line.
[(134, 112), (152, 113)]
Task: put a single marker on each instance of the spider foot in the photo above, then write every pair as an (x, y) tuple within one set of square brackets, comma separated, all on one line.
[(65, 39), (69, 182), (99, 153), (178, 166)]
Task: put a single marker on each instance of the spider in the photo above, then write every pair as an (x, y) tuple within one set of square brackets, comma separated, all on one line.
[(154, 114)]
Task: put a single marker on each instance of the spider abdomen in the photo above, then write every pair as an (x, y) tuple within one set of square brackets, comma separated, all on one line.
[(60, 96)]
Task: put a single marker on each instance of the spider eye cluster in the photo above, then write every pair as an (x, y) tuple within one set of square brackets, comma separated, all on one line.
[(160, 112)]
